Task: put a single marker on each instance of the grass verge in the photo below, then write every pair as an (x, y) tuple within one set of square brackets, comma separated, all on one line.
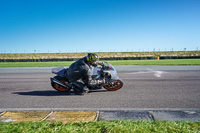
[(121, 126), (157, 62), (113, 62)]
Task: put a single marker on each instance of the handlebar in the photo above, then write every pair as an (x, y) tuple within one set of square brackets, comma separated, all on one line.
[(105, 65)]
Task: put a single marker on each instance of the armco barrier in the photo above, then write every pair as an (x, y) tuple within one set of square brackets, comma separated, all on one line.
[(110, 58)]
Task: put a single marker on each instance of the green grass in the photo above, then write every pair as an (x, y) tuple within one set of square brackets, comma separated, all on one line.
[(122, 126), (113, 62), (35, 64), (157, 62)]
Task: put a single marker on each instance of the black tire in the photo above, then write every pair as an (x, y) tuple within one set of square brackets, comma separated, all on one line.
[(114, 85), (59, 87)]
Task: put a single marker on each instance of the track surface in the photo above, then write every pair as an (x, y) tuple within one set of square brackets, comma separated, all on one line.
[(144, 87)]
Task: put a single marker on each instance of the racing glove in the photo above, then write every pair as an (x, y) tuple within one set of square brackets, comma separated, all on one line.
[(100, 63)]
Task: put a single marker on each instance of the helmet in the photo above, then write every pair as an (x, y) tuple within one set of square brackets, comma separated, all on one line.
[(93, 59)]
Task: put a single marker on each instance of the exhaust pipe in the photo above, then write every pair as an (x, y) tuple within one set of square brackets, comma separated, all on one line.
[(58, 82)]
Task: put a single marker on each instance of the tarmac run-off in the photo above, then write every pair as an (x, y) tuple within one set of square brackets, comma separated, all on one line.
[(86, 116)]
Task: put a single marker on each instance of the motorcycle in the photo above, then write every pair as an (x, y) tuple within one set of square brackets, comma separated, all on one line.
[(106, 71)]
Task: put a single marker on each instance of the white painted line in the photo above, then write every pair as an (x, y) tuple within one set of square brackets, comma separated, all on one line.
[(93, 109), (157, 74), (47, 116)]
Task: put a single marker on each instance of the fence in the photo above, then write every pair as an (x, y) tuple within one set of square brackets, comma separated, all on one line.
[(111, 58)]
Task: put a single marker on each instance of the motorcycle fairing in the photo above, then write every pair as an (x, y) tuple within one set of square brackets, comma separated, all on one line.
[(60, 71), (110, 70)]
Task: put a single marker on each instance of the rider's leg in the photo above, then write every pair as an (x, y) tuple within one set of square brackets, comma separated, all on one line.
[(80, 88)]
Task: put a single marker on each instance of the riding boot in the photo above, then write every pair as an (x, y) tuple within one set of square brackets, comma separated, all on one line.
[(81, 91)]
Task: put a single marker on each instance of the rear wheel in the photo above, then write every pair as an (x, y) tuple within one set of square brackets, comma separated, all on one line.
[(114, 85), (59, 87)]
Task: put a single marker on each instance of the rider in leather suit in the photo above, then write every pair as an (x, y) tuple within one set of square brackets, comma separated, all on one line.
[(80, 73)]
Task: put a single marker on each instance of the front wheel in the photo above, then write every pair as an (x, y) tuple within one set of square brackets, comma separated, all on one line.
[(59, 87), (114, 85)]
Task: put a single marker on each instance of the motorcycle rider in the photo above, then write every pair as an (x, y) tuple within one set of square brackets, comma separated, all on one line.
[(80, 74)]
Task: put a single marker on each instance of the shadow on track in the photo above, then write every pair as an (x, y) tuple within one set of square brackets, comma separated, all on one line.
[(53, 93)]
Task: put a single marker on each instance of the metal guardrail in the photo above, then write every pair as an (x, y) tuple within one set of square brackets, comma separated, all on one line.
[(111, 58)]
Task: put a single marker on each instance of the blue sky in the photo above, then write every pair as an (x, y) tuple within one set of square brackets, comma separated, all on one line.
[(53, 26)]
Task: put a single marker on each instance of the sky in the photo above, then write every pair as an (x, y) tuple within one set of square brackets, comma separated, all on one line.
[(68, 26)]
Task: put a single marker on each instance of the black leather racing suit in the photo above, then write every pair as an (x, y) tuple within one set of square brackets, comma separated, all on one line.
[(80, 75)]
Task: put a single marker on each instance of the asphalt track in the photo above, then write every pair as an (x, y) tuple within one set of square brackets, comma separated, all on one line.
[(145, 87), (149, 93)]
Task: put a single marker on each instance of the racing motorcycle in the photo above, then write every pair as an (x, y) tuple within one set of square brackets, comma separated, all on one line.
[(106, 71)]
